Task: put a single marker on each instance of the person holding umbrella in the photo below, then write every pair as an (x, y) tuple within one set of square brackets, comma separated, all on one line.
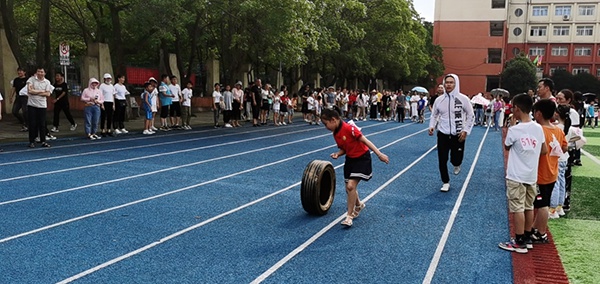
[(452, 116)]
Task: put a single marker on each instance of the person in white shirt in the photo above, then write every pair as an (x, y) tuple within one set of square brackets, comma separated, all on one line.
[(186, 106), (216, 106), (154, 97), (38, 89), (107, 112), (452, 116), (525, 142), (238, 98), (120, 105), (277, 106), (175, 111)]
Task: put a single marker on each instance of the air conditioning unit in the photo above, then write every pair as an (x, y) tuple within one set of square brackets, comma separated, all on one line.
[(566, 17)]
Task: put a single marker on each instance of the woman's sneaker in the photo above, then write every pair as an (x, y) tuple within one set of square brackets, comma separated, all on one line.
[(512, 245)]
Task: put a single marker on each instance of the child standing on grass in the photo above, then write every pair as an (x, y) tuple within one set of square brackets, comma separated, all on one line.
[(355, 146), (147, 102), (556, 143), (524, 143)]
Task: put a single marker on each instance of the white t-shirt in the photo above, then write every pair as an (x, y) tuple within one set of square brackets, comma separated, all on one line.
[(176, 91), (310, 103), (217, 97), (108, 91), (574, 116), (277, 101), (187, 97), (121, 92), (526, 141), (1, 98), (36, 100), (155, 100)]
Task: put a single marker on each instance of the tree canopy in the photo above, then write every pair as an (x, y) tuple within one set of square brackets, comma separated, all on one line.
[(342, 40)]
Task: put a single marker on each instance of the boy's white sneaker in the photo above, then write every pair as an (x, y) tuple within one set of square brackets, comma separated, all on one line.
[(445, 187), (146, 132), (553, 215), (124, 131), (456, 170), (560, 211), (117, 131)]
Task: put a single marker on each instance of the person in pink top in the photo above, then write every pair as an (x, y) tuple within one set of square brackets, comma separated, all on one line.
[(94, 101)]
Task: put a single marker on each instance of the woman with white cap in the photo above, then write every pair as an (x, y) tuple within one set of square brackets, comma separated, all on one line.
[(107, 113)]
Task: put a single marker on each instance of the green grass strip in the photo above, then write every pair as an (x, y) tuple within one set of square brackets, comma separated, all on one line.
[(585, 198), (576, 241)]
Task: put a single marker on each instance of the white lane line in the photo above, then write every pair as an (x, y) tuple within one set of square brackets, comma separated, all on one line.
[(144, 157), (440, 248), (129, 148), (86, 142), (182, 189), (188, 229), (169, 169), (316, 236), (592, 157)]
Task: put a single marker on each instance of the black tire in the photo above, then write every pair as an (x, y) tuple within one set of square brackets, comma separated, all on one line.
[(318, 187)]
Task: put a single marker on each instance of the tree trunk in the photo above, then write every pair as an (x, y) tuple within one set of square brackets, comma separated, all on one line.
[(9, 25), (117, 39), (42, 50)]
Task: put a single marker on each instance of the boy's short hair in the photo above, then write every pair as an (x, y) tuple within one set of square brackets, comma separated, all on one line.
[(147, 84), (329, 114), (548, 83), (546, 107), (523, 102), (163, 76)]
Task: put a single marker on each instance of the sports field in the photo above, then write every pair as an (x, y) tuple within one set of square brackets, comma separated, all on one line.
[(223, 206)]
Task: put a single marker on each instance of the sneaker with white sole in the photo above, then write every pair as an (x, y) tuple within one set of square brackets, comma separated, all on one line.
[(560, 211), (347, 222), (445, 187), (153, 128), (228, 125), (54, 129), (512, 245), (50, 137), (456, 170), (553, 213), (147, 132), (117, 131), (73, 127), (124, 131)]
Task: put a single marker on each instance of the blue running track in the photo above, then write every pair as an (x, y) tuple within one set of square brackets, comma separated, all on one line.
[(223, 206)]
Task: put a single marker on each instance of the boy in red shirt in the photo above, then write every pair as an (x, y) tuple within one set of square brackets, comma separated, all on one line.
[(358, 159)]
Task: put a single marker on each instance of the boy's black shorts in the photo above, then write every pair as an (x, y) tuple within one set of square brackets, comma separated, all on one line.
[(544, 194)]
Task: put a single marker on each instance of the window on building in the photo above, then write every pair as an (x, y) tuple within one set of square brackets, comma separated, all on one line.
[(586, 10), (492, 82), (519, 12), (496, 28), (494, 55), (583, 51), (560, 51), (562, 10), (540, 11), (538, 31), (516, 51), (517, 31), (579, 70), (598, 72), (535, 51), (498, 4), (561, 30), (585, 30)]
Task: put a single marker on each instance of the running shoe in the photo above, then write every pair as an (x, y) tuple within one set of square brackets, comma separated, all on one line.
[(513, 246), (73, 127), (54, 129), (445, 187), (538, 238), (456, 170)]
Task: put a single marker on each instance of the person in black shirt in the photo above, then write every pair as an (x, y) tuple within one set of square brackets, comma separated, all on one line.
[(61, 102), (20, 102), (256, 101)]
